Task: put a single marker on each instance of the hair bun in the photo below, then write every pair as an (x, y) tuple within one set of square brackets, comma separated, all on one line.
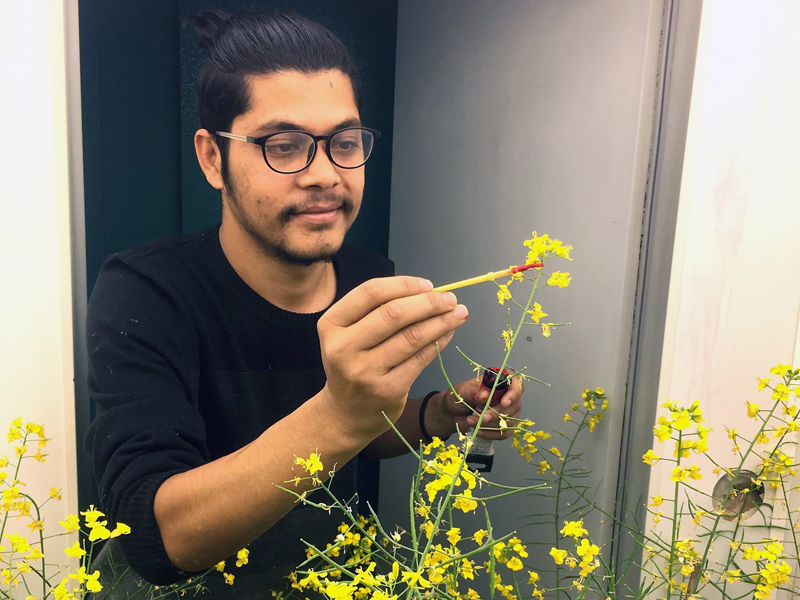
[(208, 26)]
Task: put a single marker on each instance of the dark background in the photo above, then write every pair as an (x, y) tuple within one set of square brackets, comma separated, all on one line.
[(141, 178)]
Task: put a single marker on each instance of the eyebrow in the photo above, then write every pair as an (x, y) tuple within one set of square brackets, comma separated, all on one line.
[(276, 125)]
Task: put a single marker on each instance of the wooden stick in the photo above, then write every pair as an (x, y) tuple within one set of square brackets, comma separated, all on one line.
[(488, 277)]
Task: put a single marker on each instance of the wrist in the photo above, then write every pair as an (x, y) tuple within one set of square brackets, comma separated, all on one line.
[(323, 409), (435, 419)]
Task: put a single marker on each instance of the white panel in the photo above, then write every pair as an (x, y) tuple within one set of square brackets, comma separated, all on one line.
[(734, 297), (36, 368), (512, 117)]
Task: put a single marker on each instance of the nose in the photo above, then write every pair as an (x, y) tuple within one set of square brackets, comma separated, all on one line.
[(321, 173)]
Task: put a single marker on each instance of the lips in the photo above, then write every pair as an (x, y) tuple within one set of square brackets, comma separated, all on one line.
[(320, 208), (320, 214)]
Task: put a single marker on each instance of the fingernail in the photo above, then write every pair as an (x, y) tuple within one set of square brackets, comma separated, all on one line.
[(449, 298), (426, 285), (461, 312)]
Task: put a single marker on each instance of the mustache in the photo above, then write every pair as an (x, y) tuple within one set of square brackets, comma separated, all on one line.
[(346, 205)]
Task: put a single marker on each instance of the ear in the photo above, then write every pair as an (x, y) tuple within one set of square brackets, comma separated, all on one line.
[(209, 157)]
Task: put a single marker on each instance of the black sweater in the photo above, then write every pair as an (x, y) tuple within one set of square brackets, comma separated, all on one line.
[(188, 364)]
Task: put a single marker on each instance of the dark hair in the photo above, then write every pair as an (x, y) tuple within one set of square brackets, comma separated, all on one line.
[(257, 43)]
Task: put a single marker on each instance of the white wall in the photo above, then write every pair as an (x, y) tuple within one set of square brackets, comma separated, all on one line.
[(512, 117), (36, 366), (734, 298)]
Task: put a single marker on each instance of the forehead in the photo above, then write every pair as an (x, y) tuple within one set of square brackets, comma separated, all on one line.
[(313, 101)]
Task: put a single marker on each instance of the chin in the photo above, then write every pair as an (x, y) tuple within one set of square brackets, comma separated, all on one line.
[(308, 256)]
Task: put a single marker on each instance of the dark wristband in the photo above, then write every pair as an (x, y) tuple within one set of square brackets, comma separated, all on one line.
[(425, 435)]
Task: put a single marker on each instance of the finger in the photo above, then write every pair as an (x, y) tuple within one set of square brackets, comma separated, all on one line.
[(417, 338), (371, 294), (407, 315), (513, 395), (409, 370)]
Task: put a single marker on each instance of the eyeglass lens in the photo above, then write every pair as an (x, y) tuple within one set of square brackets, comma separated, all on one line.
[(293, 151)]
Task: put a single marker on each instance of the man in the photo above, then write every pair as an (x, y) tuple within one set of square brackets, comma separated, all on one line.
[(216, 359)]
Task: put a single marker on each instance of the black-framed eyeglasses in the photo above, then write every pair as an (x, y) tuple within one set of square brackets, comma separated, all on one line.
[(292, 151)]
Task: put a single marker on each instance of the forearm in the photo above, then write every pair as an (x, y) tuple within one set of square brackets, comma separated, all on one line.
[(207, 514), (438, 423)]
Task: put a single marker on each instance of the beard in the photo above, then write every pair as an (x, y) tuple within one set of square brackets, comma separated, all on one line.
[(279, 246)]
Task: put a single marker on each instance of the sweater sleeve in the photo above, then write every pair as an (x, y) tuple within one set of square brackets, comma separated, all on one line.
[(142, 352)]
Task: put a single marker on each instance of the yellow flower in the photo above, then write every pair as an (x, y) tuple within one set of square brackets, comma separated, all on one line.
[(19, 543), (71, 523), (752, 409), (780, 370), (36, 525), (464, 502), (657, 501), (763, 382), (679, 474), (682, 420), (663, 430), (312, 465), (574, 529), (533, 577), (242, 557), (92, 583), (650, 457), (92, 514), (781, 392), (467, 569), (566, 417), (454, 535), (120, 529), (479, 536), (35, 554), (414, 579), (560, 279), (75, 551), (220, 566), (558, 555), (507, 337), (515, 564), (98, 531), (55, 493), (546, 329), (503, 294), (427, 527), (537, 312), (228, 578)]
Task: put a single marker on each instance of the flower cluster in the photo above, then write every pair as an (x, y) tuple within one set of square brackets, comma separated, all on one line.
[(444, 469), (684, 426), (26, 571), (539, 248), (23, 560), (585, 415), (768, 450), (585, 552)]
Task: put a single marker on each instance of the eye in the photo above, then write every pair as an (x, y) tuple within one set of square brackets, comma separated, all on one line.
[(281, 148), (345, 144)]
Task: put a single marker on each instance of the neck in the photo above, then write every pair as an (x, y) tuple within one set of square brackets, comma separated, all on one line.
[(296, 288)]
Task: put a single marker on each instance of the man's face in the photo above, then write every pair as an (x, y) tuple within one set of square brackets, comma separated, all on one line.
[(299, 218)]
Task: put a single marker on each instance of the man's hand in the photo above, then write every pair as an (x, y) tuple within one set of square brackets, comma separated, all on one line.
[(375, 342), (463, 413)]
